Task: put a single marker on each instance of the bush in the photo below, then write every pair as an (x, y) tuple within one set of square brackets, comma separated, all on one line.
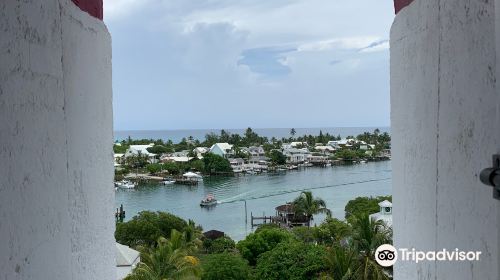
[(225, 266), (364, 205), (291, 260), (331, 231), (215, 163), (218, 245), (147, 227), (154, 168), (260, 242)]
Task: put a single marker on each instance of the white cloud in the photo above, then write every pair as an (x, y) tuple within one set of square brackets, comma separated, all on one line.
[(114, 9), (184, 56)]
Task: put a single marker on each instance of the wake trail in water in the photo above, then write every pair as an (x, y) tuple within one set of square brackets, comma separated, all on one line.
[(238, 198)]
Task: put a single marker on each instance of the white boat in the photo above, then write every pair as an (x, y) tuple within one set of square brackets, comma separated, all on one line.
[(168, 182), (209, 200), (193, 176), (125, 184)]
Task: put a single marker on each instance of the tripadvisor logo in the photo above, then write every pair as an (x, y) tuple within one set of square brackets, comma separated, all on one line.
[(386, 255)]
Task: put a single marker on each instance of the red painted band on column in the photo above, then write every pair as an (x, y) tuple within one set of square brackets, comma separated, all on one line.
[(93, 7), (400, 4)]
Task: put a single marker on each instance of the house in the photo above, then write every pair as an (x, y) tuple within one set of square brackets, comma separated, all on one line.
[(325, 149), (222, 149), (118, 159), (200, 151), (135, 150), (366, 147), (256, 151), (177, 159), (237, 164), (343, 143), (385, 213), (293, 145), (126, 260), (296, 155)]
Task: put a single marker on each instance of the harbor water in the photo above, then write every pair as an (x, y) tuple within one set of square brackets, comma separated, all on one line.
[(262, 193)]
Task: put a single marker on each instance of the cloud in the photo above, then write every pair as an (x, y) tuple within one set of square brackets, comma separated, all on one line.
[(376, 46), (259, 63), (269, 61), (114, 9)]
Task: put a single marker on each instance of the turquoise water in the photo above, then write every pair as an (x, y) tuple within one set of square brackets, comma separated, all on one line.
[(336, 185), (177, 135)]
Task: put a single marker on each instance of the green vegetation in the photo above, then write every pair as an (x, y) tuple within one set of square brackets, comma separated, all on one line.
[(219, 245), (260, 242), (216, 164), (225, 266), (147, 227), (172, 248), (291, 260), (306, 205), (364, 205), (277, 157)]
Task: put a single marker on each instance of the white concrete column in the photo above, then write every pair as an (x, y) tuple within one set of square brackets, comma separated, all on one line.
[(445, 128), (56, 166)]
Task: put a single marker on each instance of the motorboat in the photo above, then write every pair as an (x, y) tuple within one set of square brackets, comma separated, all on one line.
[(125, 184), (168, 182), (209, 200)]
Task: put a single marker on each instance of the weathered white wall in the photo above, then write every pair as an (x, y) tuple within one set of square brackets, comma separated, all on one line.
[(445, 128), (56, 196)]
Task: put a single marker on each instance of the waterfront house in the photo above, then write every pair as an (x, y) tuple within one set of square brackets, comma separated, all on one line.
[(118, 159), (177, 159), (126, 260), (286, 216), (222, 149), (325, 149), (385, 213), (135, 150), (256, 151), (296, 156), (237, 164), (200, 151)]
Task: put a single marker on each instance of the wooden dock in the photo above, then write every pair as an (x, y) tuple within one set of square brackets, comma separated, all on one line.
[(187, 182)]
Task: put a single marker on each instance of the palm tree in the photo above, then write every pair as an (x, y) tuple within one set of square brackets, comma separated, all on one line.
[(170, 259), (367, 236), (293, 132), (341, 262), (308, 206)]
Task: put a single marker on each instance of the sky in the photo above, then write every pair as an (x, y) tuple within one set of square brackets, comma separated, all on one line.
[(197, 64)]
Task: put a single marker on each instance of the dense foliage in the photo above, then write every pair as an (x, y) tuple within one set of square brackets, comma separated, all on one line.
[(277, 157), (147, 227), (260, 242), (291, 260), (171, 248), (225, 266), (219, 245), (216, 164), (367, 205)]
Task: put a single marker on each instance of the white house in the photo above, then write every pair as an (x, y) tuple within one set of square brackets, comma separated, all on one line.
[(135, 150), (222, 149), (237, 164), (296, 155), (325, 149), (200, 151), (126, 260), (385, 213)]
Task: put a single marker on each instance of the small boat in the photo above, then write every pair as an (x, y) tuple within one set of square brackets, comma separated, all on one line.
[(168, 182), (209, 200), (125, 184)]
